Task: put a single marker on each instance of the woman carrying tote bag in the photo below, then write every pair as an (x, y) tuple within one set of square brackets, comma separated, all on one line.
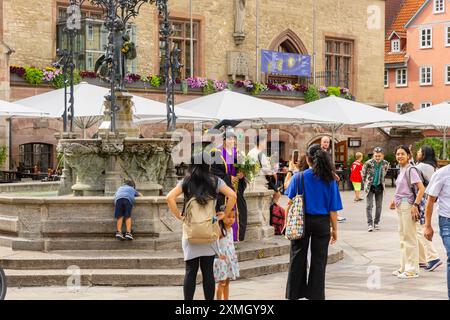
[(322, 201)]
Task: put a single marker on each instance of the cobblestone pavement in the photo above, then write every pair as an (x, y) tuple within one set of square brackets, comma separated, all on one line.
[(365, 272)]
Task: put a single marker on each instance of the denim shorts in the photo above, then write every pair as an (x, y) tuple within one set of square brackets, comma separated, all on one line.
[(123, 208)]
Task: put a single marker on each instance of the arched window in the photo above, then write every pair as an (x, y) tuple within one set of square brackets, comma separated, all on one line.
[(36, 155), (288, 42)]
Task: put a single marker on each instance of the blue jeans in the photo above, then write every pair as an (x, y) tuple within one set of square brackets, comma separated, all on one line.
[(444, 227)]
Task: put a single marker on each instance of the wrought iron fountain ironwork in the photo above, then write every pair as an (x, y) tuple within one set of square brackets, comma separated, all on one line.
[(112, 64), (98, 166)]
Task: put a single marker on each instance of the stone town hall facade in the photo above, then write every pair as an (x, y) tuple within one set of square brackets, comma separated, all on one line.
[(349, 42)]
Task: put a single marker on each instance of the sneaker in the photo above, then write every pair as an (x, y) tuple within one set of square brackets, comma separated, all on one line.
[(396, 273), (433, 265), (376, 227), (423, 265), (370, 228), (128, 236), (408, 275), (341, 219), (119, 236)]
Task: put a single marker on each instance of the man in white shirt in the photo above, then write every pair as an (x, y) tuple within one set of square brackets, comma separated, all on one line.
[(439, 189), (258, 154)]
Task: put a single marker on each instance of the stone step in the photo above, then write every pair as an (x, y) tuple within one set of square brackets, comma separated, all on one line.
[(91, 243), (130, 259), (131, 277), (143, 277)]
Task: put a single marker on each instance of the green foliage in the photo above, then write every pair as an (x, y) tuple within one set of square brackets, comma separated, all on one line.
[(258, 87), (3, 154), (58, 81), (155, 81), (436, 143), (248, 166), (76, 77), (312, 94), (209, 88), (348, 96), (390, 157), (335, 91), (33, 75), (352, 159)]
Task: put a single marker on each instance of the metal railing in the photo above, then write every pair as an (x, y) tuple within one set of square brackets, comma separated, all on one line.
[(323, 79), (332, 79)]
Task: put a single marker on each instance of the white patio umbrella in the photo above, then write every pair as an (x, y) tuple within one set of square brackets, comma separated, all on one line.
[(89, 101), (348, 112), (13, 109), (434, 117), (229, 105)]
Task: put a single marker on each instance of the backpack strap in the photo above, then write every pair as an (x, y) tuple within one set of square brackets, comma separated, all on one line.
[(408, 177), (302, 177)]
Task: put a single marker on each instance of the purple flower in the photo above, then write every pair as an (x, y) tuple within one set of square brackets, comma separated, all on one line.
[(323, 89), (248, 84), (301, 88), (288, 87), (239, 84), (131, 77), (220, 85), (196, 83)]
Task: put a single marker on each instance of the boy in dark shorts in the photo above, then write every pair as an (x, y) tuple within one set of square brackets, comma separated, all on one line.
[(124, 201)]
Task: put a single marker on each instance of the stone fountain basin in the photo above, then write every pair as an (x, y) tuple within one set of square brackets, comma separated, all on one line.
[(87, 223)]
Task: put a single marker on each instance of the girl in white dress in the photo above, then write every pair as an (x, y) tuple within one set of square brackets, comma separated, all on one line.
[(226, 267)]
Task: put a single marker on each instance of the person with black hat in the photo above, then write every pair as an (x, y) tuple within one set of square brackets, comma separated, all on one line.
[(224, 158)]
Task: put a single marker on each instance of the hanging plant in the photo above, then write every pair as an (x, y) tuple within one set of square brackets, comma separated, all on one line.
[(33, 75), (312, 94), (3, 154), (335, 91)]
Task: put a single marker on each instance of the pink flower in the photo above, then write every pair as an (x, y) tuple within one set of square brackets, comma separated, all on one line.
[(289, 87), (220, 85)]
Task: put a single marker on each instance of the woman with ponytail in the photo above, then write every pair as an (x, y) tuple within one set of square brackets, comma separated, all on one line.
[(322, 201)]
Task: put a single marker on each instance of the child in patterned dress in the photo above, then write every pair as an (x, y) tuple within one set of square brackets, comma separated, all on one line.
[(226, 267)]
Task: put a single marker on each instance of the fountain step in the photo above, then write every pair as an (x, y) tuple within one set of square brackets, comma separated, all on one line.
[(143, 277), (92, 243), (128, 259)]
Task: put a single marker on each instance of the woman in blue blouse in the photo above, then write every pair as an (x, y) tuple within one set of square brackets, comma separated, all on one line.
[(322, 201)]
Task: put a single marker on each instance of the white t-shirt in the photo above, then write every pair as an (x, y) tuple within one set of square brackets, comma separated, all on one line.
[(266, 168), (426, 169), (440, 187)]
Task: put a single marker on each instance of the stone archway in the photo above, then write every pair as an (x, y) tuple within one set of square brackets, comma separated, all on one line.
[(290, 40)]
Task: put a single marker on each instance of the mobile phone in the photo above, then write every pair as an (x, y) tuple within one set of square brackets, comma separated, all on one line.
[(295, 155)]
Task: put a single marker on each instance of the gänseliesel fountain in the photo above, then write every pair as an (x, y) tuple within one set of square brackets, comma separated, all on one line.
[(81, 216), (75, 229)]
